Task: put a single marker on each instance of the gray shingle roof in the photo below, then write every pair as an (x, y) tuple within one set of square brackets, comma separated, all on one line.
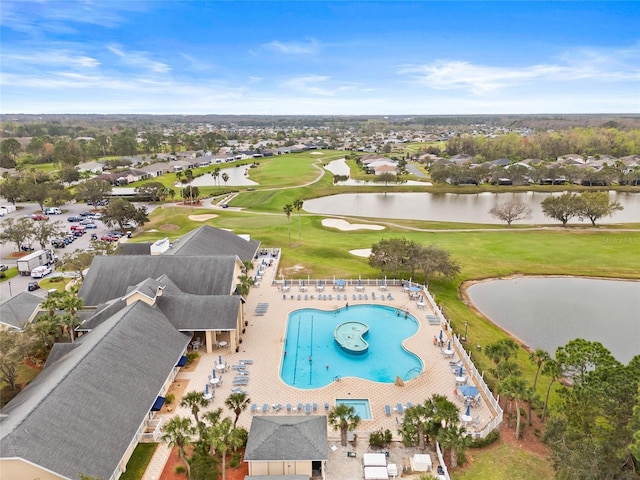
[(287, 438), (110, 276), (134, 249), (201, 312), (15, 311), (209, 241), (80, 415)]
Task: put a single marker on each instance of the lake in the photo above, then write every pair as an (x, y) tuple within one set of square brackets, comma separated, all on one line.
[(455, 207), (547, 312)]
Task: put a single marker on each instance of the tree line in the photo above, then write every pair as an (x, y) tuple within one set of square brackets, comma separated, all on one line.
[(548, 145)]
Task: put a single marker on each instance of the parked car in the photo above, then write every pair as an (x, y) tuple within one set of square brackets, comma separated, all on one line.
[(69, 239), (96, 216), (33, 286), (74, 219), (109, 238), (39, 216), (90, 225), (58, 243), (85, 214), (52, 211), (40, 272), (86, 221), (3, 267)]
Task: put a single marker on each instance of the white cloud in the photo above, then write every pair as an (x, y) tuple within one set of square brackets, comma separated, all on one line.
[(293, 48), (62, 58), (138, 59), (578, 64), (309, 84)]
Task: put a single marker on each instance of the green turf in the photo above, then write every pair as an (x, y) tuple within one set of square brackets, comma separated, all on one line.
[(504, 461), (139, 460)]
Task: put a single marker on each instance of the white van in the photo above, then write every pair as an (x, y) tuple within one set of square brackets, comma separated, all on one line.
[(52, 211), (41, 271)]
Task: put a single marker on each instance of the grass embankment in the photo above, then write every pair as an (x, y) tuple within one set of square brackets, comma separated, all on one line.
[(504, 461)]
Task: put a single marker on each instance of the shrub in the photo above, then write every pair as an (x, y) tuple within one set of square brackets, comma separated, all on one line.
[(191, 356), (180, 469), (380, 439), (169, 398), (235, 460), (493, 436)]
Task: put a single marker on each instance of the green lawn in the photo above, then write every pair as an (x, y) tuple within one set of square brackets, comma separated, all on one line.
[(139, 460), (504, 461)]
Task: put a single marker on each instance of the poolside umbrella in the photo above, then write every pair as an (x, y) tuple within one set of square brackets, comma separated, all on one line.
[(449, 345), (359, 282), (206, 389), (469, 390), (440, 334), (460, 371), (219, 359), (468, 412), (214, 373)]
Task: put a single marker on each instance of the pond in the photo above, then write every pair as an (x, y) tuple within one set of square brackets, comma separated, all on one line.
[(547, 312), (454, 207), (238, 177)]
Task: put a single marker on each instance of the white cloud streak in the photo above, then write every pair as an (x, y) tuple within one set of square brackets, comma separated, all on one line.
[(138, 59), (582, 64), (293, 48)]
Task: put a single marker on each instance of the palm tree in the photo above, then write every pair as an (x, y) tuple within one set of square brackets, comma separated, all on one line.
[(456, 440), (188, 174), (343, 417), (216, 174), (194, 400), (518, 389), (172, 193), (539, 357), (420, 416), (297, 204), (445, 412), (238, 402), (224, 436), (553, 369), (287, 211), (177, 433), (71, 303), (225, 178)]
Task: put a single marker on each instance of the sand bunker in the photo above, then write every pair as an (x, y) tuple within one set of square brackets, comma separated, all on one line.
[(202, 218), (362, 252), (344, 225)]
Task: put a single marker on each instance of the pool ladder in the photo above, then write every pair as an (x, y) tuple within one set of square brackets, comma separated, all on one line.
[(337, 378), (408, 372)]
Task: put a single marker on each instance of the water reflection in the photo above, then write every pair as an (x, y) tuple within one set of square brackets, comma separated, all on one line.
[(548, 312), (454, 207)]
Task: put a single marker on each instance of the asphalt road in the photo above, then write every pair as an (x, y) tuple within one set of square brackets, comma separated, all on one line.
[(19, 283)]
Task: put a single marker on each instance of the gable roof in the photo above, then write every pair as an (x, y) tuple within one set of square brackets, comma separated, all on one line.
[(133, 248), (207, 241), (109, 277), (201, 312), (90, 402), (17, 310), (287, 438)]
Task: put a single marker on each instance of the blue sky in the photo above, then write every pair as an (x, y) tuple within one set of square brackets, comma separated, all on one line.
[(318, 58)]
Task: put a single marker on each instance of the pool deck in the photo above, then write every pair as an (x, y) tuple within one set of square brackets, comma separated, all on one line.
[(263, 343)]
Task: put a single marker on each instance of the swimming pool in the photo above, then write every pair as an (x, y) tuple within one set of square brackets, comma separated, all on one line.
[(312, 358), (360, 405)]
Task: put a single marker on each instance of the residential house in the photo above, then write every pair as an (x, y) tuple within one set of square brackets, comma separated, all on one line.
[(92, 167)]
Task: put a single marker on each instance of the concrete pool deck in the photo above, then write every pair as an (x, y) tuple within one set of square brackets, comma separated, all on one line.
[(263, 344)]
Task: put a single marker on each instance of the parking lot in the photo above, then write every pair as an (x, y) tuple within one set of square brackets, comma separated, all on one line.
[(19, 283)]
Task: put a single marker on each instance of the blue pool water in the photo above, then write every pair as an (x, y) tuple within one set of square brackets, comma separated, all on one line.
[(360, 405), (312, 359)]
